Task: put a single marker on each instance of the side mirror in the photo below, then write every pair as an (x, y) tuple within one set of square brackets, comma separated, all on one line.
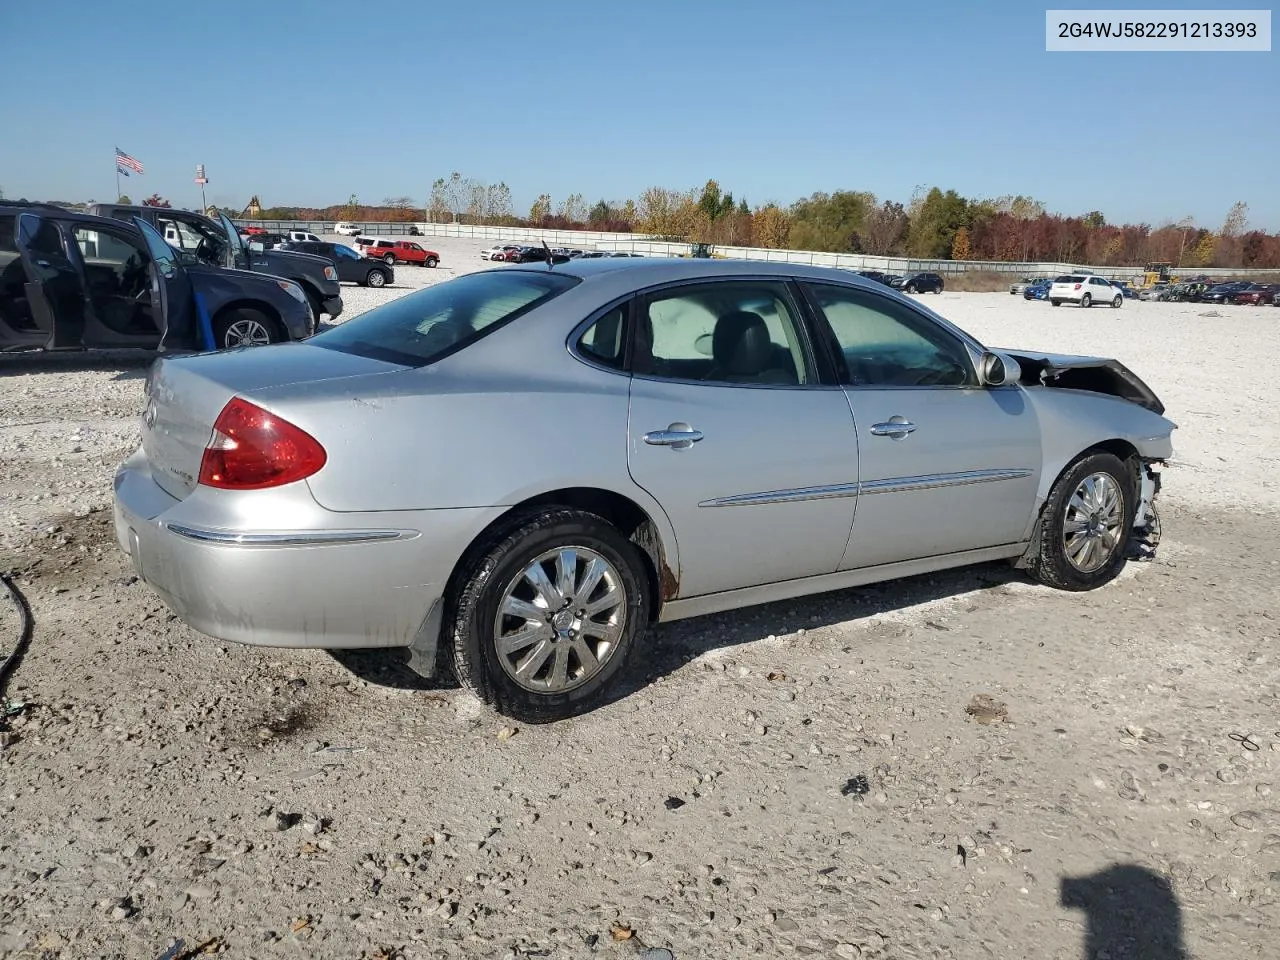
[(997, 370)]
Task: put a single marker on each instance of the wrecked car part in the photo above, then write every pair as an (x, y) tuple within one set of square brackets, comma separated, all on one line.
[(1144, 536), (26, 628), (1094, 374)]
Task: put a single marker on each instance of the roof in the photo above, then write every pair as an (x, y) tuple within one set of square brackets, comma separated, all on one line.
[(643, 271)]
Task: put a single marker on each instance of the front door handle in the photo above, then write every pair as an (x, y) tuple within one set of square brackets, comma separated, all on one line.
[(677, 436), (896, 428)]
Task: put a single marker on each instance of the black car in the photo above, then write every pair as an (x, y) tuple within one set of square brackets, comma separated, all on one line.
[(875, 275), (538, 255), (1223, 292), (352, 268), (73, 281), (218, 242), (921, 283)]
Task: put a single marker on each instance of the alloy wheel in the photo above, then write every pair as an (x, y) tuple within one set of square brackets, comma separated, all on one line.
[(560, 619), (247, 333), (1092, 522)]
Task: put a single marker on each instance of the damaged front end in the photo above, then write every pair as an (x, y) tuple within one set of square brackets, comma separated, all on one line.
[(1144, 536), (1095, 374)]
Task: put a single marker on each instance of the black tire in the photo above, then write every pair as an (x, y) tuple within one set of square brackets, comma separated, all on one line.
[(432, 261), (939, 290), (317, 307), (1056, 303), (389, 259), (225, 322), (909, 289), (478, 590), (1050, 565), (376, 278), (1116, 303), (1086, 301)]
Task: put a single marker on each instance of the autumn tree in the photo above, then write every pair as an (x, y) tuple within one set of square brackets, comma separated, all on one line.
[(884, 229), (960, 245), (540, 210), (122, 199), (664, 212), (454, 194), (934, 222), (830, 222), (574, 208), (1229, 250), (770, 227)]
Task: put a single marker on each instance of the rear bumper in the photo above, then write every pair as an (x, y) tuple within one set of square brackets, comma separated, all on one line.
[(326, 580)]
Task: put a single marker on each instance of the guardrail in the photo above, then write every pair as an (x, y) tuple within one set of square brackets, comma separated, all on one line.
[(648, 245)]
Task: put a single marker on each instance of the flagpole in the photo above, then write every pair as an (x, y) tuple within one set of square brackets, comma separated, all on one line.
[(118, 193)]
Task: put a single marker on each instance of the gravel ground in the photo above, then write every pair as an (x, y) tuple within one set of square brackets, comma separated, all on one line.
[(807, 778)]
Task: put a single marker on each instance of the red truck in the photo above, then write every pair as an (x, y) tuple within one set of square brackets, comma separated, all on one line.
[(401, 251)]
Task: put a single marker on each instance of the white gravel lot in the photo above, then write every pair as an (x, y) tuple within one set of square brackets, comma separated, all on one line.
[(837, 800)]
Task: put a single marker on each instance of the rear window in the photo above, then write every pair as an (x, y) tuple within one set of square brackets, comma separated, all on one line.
[(442, 319), (1070, 280)]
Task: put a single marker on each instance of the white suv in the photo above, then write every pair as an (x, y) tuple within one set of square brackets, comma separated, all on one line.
[(1084, 289)]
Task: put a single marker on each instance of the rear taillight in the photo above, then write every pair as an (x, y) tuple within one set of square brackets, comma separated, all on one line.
[(252, 449), (1078, 286)]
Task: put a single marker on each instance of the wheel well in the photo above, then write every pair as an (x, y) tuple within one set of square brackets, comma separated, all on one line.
[(258, 306), (620, 511)]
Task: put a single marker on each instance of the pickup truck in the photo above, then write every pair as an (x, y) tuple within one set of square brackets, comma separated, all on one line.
[(399, 251), (218, 243)]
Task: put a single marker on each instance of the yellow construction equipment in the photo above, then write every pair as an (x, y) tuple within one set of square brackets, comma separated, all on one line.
[(1158, 272)]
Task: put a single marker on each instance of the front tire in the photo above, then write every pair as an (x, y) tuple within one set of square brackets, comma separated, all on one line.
[(432, 261), (244, 327), (376, 278), (1117, 301), (1056, 303), (545, 620), (1085, 525), (1086, 301)]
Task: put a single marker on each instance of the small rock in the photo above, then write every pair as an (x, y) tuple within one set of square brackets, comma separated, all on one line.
[(1247, 820), (446, 910), (673, 803), (119, 913), (1228, 775), (1263, 789), (850, 951), (656, 953)]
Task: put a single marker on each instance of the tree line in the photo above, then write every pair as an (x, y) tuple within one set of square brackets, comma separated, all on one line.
[(933, 224)]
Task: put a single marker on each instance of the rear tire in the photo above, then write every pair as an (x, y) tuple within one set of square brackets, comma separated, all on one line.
[(1082, 537), (1056, 303), (1086, 301), (555, 628), (389, 259), (244, 327)]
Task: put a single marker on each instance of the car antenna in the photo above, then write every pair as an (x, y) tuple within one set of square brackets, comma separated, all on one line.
[(550, 260)]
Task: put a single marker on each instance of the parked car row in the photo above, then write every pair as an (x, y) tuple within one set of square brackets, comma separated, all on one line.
[(1242, 292), (534, 253), (912, 283)]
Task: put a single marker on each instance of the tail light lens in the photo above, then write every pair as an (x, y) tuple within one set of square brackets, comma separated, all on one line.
[(1079, 285), (252, 449)]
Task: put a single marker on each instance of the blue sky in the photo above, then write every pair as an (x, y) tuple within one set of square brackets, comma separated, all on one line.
[(307, 103)]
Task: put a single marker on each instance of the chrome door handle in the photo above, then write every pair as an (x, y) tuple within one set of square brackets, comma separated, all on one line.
[(895, 429), (678, 436)]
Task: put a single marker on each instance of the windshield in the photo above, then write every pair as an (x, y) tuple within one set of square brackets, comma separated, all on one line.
[(429, 325)]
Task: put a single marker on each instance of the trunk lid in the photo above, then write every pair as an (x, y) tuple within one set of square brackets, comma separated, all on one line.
[(186, 394)]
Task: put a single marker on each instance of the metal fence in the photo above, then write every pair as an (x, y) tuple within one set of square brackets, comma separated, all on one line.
[(649, 246)]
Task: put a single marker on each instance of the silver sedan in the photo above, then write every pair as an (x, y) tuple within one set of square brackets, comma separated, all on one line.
[(522, 468)]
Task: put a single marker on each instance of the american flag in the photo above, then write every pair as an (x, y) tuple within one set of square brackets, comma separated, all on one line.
[(125, 163)]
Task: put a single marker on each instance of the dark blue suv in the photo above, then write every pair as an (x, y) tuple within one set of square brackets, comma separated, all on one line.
[(73, 281)]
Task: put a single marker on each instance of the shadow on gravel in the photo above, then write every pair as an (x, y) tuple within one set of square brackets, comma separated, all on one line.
[(1129, 911), (668, 647), (390, 668), (129, 364)]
